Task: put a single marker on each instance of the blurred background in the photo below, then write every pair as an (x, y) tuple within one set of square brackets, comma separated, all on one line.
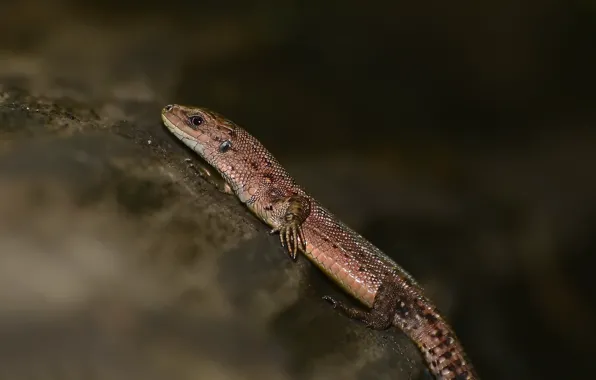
[(457, 136)]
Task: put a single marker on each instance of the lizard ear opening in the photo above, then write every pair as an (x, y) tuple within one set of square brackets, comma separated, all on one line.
[(225, 146)]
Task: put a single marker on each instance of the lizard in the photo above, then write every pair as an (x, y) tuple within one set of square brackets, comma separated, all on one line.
[(391, 296)]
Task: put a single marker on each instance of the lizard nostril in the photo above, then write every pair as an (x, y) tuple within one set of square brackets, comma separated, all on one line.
[(168, 108)]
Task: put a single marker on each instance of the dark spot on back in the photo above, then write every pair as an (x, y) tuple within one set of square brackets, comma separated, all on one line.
[(334, 245), (430, 317), (254, 165), (462, 376)]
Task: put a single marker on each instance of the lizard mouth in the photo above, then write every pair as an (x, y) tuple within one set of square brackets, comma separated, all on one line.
[(176, 125)]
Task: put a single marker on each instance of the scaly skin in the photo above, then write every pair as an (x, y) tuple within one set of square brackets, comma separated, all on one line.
[(360, 268)]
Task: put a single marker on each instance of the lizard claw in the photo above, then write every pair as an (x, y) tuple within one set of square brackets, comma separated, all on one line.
[(331, 300), (292, 237)]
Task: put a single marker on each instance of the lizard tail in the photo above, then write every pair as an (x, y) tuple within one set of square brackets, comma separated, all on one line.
[(437, 342)]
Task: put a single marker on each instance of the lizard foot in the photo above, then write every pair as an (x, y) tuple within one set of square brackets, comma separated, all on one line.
[(205, 173), (331, 300), (377, 318), (292, 237)]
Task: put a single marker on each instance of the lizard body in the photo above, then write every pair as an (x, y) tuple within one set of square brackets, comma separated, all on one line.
[(392, 296)]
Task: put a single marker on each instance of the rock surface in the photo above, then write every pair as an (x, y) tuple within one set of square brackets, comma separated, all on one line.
[(119, 261), (458, 139)]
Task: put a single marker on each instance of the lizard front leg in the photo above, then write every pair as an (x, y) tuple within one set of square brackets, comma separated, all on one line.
[(295, 209), (208, 175)]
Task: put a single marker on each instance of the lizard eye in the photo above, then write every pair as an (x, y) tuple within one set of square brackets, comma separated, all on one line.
[(196, 121), (225, 146)]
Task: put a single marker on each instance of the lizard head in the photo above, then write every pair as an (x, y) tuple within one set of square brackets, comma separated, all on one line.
[(225, 146), (204, 131)]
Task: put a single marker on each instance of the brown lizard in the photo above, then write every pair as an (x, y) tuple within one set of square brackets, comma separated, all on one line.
[(392, 296)]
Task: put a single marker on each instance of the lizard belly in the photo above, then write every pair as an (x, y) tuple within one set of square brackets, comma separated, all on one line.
[(341, 267)]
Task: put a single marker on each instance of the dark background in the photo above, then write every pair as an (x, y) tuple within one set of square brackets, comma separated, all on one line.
[(457, 136)]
